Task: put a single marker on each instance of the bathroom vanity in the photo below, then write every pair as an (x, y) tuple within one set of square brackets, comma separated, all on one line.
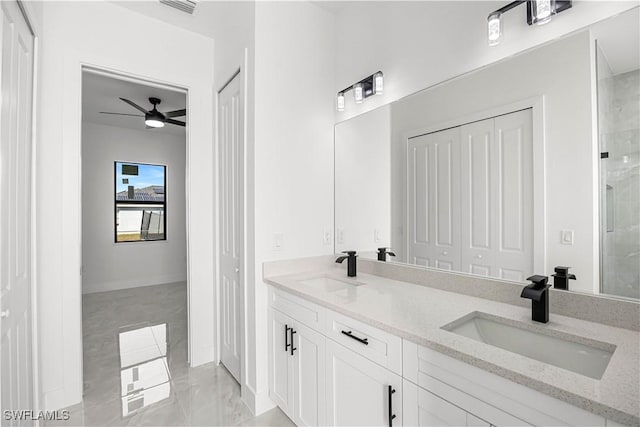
[(400, 345)]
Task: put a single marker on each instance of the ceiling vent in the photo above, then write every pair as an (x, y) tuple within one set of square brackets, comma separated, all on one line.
[(186, 6)]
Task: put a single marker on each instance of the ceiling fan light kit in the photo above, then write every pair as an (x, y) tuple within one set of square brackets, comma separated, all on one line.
[(154, 118)]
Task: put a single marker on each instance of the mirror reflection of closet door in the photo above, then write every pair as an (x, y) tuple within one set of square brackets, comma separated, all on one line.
[(470, 197), (434, 200)]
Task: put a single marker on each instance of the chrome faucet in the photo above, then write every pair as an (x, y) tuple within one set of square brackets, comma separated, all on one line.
[(538, 293), (351, 262)]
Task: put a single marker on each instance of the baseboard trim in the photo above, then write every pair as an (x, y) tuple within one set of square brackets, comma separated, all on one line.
[(91, 288), (258, 403)]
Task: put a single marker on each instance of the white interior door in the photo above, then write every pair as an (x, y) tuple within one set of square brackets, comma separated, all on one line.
[(15, 211), (230, 169)]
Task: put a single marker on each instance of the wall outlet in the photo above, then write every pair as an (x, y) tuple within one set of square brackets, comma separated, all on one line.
[(278, 241), (376, 235), (566, 237), (326, 237), (339, 236)]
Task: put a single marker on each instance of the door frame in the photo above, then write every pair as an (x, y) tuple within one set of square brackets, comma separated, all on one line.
[(153, 82), (536, 104), (244, 272)]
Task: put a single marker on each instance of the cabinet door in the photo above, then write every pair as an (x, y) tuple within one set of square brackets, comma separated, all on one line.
[(308, 376), (358, 390), (422, 408), (281, 369)]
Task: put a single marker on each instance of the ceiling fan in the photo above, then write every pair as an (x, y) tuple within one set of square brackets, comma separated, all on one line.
[(153, 118)]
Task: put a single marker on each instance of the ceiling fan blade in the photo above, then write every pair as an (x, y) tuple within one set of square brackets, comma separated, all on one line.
[(175, 122), (121, 114), (176, 113), (134, 105)]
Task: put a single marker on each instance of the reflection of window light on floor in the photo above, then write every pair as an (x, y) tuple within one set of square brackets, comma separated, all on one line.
[(144, 372)]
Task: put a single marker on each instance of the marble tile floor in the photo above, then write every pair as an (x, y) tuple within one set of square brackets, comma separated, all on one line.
[(135, 363)]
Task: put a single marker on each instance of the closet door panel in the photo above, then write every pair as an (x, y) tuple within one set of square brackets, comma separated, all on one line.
[(514, 154), (419, 193), (477, 198)]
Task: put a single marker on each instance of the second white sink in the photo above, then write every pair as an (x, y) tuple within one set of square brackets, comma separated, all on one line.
[(580, 355)]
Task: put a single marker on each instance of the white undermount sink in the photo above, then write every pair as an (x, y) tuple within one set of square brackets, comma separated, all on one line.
[(580, 355), (330, 284)]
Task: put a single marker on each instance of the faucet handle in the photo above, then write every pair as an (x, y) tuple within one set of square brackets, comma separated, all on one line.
[(538, 281), (350, 253), (385, 251)]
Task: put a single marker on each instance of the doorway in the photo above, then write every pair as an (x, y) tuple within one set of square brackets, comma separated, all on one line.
[(134, 245), (231, 223)]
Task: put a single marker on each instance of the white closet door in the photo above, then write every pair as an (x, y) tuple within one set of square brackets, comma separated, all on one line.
[(514, 210), (478, 198), (434, 199), (16, 84), (231, 229), (497, 196)]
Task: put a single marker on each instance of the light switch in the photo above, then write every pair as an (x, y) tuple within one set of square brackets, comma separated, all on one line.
[(278, 241), (566, 237), (376, 235), (339, 236)]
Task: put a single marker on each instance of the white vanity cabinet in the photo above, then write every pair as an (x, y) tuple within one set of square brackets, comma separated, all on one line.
[(326, 368), (423, 408), (359, 391), (296, 374)]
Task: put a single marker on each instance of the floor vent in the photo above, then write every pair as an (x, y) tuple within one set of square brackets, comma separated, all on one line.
[(183, 5)]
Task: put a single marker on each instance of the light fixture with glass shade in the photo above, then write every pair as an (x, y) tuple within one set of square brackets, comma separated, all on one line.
[(378, 83), (154, 119), (340, 101), (358, 93), (541, 11), (371, 85), (538, 12), (494, 28)]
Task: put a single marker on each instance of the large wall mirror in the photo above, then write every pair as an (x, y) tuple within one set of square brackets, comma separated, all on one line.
[(511, 170)]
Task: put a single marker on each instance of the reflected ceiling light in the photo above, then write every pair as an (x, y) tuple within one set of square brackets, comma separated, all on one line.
[(371, 85), (538, 12)]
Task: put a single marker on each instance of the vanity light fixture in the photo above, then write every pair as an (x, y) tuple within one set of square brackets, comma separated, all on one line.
[(340, 101), (538, 12), (371, 85)]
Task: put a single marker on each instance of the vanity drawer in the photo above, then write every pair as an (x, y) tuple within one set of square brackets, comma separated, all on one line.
[(308, 313), (482, 393), (378, 346)]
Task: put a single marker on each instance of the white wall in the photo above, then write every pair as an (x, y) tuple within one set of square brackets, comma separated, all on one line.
[(293, 181), (363, 182), (561, 73), (419, 44), (106, 35), (107, 266)]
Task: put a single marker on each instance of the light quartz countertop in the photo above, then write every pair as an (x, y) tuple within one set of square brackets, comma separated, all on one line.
[(417, 313)]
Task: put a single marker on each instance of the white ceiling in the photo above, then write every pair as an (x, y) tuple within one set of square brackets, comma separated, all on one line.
[(101, 93), (619, 39)]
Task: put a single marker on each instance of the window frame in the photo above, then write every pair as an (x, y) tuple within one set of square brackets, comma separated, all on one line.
[(116, 202)]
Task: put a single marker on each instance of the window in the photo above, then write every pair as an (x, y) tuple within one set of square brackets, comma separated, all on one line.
[(140, 202)]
